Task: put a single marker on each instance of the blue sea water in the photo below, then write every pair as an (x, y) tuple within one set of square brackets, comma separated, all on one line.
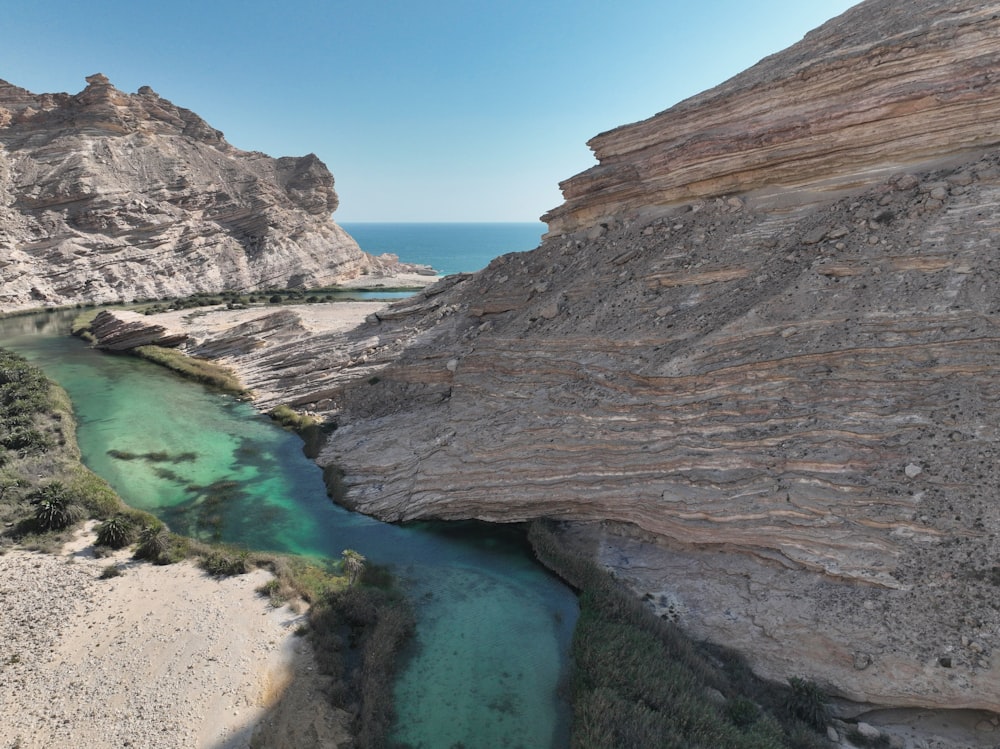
[(447, 247)]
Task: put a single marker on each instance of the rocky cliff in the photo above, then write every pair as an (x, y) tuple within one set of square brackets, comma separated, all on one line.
[(885, 85), (752, 366), (775, 399), (107, 196)]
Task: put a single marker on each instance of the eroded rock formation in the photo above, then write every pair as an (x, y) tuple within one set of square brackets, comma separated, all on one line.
[(777, 418), (107, 196), (885, 85)]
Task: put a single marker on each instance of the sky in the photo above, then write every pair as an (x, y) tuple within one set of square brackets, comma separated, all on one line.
[(447, 110)]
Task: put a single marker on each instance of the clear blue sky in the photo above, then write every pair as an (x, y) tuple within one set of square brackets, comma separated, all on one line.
[(454, 110)]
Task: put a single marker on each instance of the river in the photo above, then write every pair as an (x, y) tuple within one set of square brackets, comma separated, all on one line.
[(490, 655)]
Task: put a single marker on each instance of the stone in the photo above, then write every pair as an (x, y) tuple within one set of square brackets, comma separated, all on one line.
[(121, 330), (912, 470), (868, 731)]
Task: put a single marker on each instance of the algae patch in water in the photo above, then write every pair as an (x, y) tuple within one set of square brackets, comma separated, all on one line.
[(154, 457)]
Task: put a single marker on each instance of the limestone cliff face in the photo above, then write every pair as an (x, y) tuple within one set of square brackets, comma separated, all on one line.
[(777, 418), (885, 85), (107, 196)]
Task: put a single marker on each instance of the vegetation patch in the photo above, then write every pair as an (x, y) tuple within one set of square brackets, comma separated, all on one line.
[(200, 370), (44, 489), (291, 419), (638, 681), (237, 299), (154, 457), (358, 634)]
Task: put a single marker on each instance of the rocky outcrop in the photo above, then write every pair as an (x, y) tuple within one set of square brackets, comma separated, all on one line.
[(121, 330), (878, 89), (109, 197), (776, 420)]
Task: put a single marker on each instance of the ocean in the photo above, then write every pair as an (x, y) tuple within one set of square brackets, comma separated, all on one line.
[(447, 247)]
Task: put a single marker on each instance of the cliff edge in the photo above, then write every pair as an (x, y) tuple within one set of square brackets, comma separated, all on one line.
[(107, 197), (885, 86)]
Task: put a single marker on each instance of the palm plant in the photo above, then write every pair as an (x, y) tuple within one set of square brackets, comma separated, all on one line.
[(54, 507), (154, 540), (116, 532)]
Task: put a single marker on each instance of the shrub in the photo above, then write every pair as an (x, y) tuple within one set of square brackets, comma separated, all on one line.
[(743, 712), (116, 532), (154, 543), (112, 570), (292, 419), (806, 702), (226, 564), (55, 507)]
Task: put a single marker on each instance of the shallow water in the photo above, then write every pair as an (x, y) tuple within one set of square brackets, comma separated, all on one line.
[(493, 626)]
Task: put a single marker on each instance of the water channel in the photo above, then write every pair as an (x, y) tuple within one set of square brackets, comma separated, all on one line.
[(493, 626)]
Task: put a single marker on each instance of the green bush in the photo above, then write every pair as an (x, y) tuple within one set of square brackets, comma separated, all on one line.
[(55, 507), (292, 419), (742, 712), (225, 563), (116, 532), (154, 544)]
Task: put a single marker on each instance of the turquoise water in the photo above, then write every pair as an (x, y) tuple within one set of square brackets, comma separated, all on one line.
[(448, 248), (493, 627)]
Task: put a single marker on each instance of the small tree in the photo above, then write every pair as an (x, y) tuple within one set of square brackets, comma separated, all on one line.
[(354, 565)]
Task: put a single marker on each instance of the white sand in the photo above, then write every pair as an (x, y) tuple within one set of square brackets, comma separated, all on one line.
[(316, 318), (158, 657)]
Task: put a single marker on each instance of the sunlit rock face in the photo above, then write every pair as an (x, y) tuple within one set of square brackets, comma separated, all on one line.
[(885, 85), (770, 405), (754, 369), (107, 196)]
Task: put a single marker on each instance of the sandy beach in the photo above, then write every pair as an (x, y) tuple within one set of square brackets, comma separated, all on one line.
[(157, 657)]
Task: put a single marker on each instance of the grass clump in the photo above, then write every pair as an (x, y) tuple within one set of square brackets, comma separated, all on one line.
[(56, 508), (226, 563), (200, 370), (156, 544), (807, 702), (112, 570), (639, 682), (291, 419)]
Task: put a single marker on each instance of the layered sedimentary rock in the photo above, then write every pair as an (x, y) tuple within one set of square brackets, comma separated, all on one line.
[(776, 419), (121, 330), (885, 85), (107, 196)]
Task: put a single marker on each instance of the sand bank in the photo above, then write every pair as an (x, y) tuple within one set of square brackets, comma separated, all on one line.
[(158, 657)]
